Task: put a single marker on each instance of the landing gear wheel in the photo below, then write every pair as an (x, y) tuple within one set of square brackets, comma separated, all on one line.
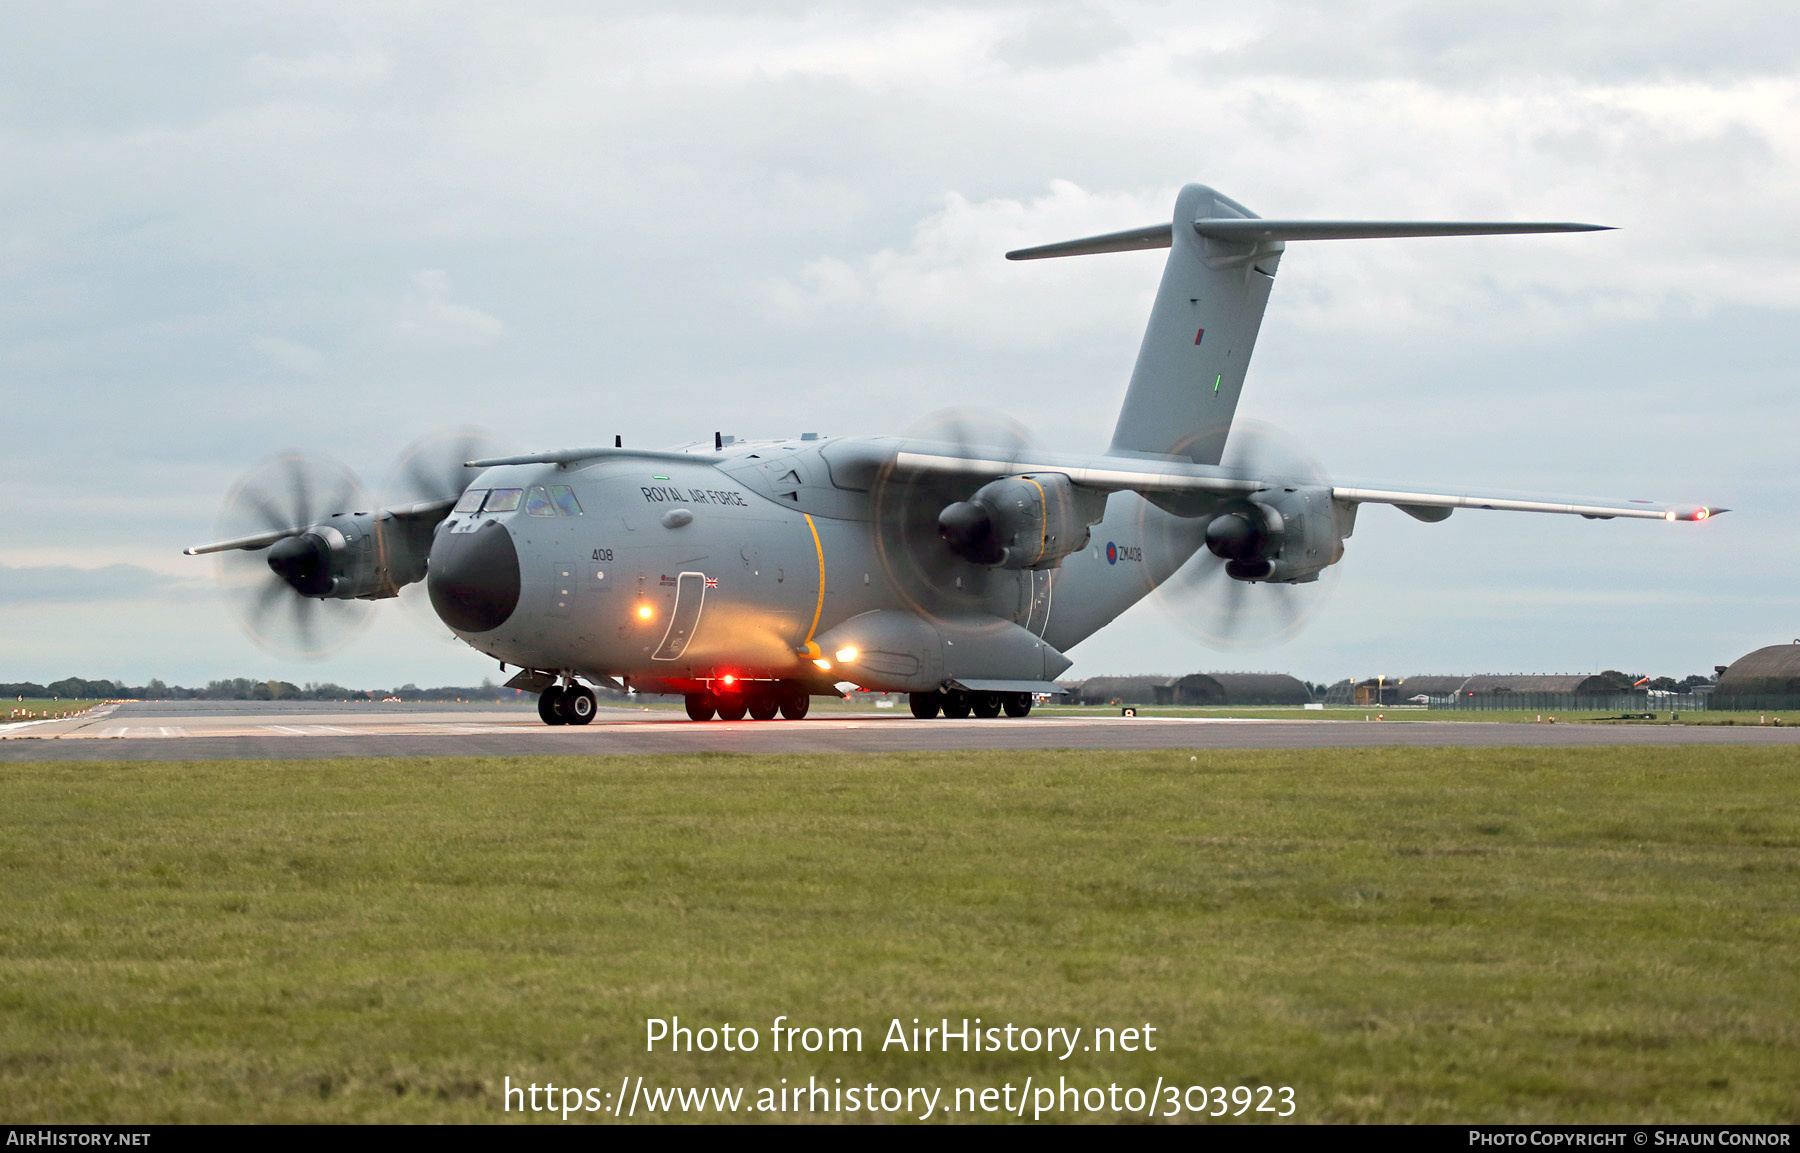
[(550, 706), (764, 708), (1018, 704), (987, 705), (925, 705), (732, 708), (576, 706), (700, 706), (957, 705), (795, 704)]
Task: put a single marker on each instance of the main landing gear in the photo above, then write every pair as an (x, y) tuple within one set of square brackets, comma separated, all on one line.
[(570, 705), (957, 704), (761, 702)]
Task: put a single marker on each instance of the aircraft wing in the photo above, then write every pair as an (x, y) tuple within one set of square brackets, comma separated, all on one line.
[(433, 510), (1119, 474)]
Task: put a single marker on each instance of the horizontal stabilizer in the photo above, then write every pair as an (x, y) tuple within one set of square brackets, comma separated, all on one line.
[(1131, 240), (1253, 230), (1244, 230)]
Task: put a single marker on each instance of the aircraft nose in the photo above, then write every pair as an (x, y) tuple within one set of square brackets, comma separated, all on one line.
[(473, 578)]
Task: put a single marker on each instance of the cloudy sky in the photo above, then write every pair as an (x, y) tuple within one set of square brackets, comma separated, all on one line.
[(231, 229)]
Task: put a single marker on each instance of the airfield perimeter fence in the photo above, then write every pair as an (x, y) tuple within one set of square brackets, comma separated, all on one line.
[(1639, 702), (1757, 702)]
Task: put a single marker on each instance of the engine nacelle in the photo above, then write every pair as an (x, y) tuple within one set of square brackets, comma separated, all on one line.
[(1287, 535), (353, 555), (1022, 522)]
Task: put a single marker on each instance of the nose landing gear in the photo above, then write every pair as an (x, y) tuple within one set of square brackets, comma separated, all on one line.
[(571, 705)]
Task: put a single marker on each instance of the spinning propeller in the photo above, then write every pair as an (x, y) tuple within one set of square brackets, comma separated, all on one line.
[(930, 540), (1214, 595), (261, 586), (312, 550), (431, 469)]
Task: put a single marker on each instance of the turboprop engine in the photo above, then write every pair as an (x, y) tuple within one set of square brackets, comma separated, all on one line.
[(357, 555), (1022, 522), (1287, 535)]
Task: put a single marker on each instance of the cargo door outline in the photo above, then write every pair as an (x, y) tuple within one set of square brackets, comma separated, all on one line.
[(690, 598)]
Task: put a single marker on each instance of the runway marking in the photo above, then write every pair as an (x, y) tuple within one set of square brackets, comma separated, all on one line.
[(139, 731), (311, 730), (467, 730)]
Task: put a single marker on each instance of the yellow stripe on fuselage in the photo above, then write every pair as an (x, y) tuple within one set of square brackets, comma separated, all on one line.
[(820, 606)]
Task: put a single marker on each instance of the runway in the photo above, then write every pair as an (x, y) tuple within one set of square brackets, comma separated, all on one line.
[(252, 730)]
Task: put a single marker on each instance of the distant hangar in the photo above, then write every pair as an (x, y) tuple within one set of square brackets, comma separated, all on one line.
[(1195, 689)]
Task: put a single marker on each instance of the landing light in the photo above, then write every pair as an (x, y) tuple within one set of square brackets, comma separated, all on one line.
[(645, 612), (846, 655), (823, 664)]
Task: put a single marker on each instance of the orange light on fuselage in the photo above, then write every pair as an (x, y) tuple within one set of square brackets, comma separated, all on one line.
[(645, 612)]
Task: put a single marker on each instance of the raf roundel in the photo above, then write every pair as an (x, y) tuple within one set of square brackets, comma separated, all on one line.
[(1112, 553)]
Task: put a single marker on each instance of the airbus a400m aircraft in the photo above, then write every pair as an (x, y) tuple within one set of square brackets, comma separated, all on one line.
[(749, 576)]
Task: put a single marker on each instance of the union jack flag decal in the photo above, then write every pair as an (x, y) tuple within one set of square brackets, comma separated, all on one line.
[(712, 582)]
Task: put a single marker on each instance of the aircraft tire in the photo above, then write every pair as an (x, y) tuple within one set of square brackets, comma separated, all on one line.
[(764, 708), (549, 706), (701, 706), (576, 706), (925, 705), (1018, 704), (795, 705), (732, 708), (957, 705), (988, 705)]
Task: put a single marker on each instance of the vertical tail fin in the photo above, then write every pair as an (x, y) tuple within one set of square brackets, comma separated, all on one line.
[(1203, 326)]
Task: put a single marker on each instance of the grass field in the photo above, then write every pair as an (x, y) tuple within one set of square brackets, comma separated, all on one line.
[(1398, 935), (37, 710), (1416, 713)]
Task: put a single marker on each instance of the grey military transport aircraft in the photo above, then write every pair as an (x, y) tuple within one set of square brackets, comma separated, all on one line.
[(751, 575)]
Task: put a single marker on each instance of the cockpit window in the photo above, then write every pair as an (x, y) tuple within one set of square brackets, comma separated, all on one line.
[(471, 500), (565, 500), (537, 502), (503, 500)]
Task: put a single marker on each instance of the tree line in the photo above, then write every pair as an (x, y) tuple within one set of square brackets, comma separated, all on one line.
[(246, 689)]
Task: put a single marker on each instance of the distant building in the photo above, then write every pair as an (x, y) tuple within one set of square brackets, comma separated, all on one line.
[(1447, 690), (1196, 689), (1120, 690), (1236, 689), (1766, 678)]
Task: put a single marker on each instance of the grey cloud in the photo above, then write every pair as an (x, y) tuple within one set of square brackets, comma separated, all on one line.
[(1060, 37), (1476, 44)]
